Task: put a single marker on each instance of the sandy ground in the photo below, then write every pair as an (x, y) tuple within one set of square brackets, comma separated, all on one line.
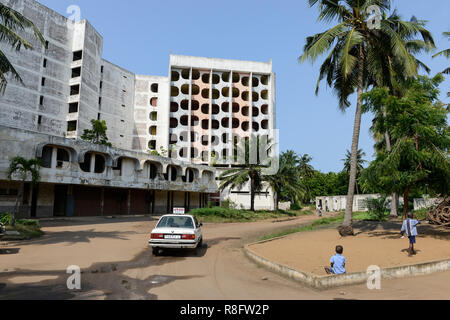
[(117, 264), (374, 244)]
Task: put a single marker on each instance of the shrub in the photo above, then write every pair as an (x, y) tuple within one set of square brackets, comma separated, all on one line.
[(5, 218), (377, 208), (295, 206)]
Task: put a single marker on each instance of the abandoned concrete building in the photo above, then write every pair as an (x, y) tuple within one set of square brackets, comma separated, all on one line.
[(191, 115)]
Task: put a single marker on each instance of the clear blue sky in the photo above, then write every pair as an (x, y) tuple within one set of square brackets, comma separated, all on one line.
[(139, 35)]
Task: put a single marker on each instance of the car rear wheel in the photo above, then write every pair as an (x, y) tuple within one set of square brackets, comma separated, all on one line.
[(155, 251)]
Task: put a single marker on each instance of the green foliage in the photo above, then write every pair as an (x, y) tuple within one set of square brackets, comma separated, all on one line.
[(319, 223), (377, 208), (24, 168), (12, 23), (6, 218), (417, 122), (97, 134), (219, 214)]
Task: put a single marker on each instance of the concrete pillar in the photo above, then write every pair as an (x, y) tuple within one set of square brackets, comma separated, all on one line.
[(54, 157), (92, 168)]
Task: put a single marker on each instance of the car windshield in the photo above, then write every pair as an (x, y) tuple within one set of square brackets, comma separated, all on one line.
[(176, 222)]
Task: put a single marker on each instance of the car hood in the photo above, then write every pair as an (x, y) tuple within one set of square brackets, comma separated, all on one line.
[(175, 231)]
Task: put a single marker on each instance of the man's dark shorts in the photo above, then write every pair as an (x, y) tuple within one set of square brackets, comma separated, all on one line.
[(412, 239)]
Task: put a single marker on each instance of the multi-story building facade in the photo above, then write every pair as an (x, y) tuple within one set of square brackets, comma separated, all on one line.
[(191, 115)]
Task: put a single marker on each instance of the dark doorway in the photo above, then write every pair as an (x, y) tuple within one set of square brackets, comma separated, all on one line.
[(60, 204)]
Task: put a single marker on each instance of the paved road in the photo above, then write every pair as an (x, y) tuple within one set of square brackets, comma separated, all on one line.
[(117, 264)]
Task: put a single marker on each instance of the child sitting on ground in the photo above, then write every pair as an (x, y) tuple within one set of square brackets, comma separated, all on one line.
[(409, 228), (337, 262)]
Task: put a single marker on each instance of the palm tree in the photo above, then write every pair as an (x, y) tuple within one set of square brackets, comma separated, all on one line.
[(24, 169), (248, 172), (11, 24), (445, 53), (359, 164), (285, 180), (353, 61)]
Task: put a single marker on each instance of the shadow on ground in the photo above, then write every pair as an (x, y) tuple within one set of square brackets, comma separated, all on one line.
[(101, 280)]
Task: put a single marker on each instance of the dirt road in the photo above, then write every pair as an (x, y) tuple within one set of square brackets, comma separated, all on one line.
[(117, 264)]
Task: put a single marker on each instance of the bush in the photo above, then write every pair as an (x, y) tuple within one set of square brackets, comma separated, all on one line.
[(295, 206), (377, 208), (6, 218)]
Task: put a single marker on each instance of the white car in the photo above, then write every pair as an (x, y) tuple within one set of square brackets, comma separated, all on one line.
[(176, 232)]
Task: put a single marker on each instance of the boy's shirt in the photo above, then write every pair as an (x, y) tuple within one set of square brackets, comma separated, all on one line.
[(409, 227), (338, 261)]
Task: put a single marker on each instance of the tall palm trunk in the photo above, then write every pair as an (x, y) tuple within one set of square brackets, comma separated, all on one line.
[(394, 196), (275, 201), (347, 227), (252, 193), (405, 202), (16, 206)]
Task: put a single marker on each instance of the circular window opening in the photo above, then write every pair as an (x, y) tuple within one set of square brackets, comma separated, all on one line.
[(215, 79), (226, 92), (255, 112), (185, 89), (245, 111), (173, 123), (265, 80), (225, 107), (226, 77), (215, 109), (175, 76), (255, 82), (214, 141), (215, 124), (245, 126), (225, 122), (255, 126), (173, 107), (265, 94), (245, 81), (195, 74), (205, 140), (265, 124), (184, 120), (235, 123), (195, 89), (194, 121), (185, 73), (205, 93), (205, 108), (205, 78), (265, 109), (174, 91)]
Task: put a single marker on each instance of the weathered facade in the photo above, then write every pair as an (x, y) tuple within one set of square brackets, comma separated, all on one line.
[(192, 114), (80, 178)]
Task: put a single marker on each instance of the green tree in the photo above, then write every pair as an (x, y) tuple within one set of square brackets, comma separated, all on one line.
[(248, 172), (24, 169), (12, 23), (418, 124), (286, 180), (353, 62), (445, 53), (359, 165), (97, 134)]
